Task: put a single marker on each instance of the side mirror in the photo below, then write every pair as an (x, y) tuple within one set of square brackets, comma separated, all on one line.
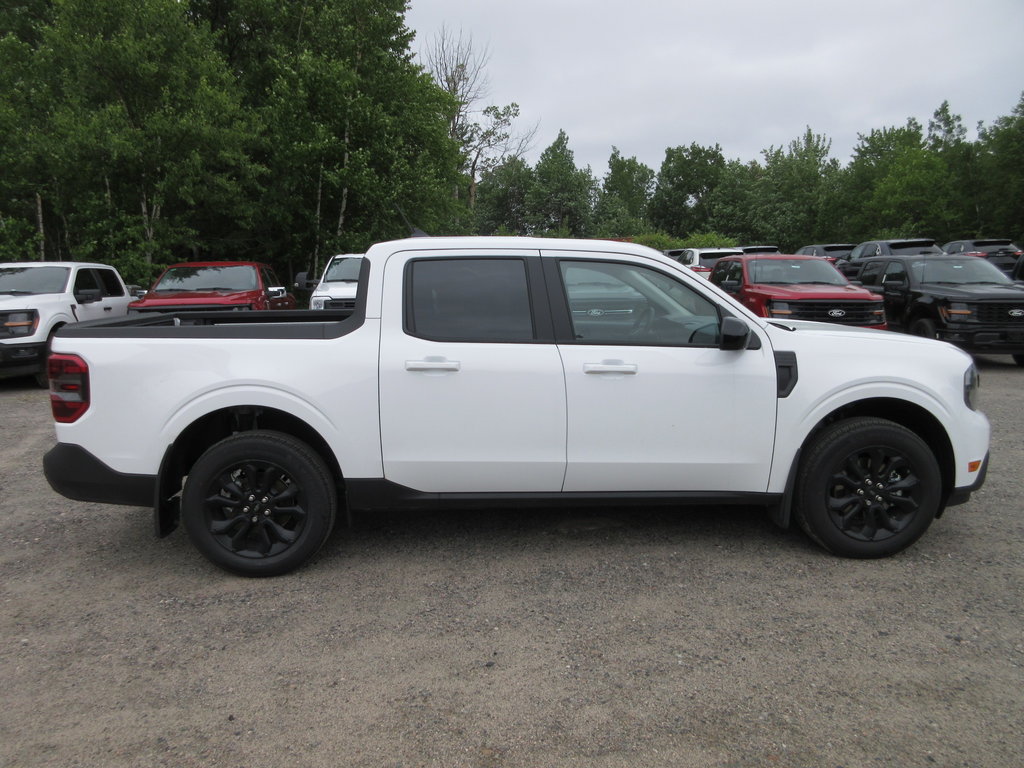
[(729, 286), (88, 295), (895, 284), (276, 292), (735, 334), (302, 282)]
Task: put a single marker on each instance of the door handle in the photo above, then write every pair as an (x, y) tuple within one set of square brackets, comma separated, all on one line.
[(107, 309), (432, 365), (628, 368)]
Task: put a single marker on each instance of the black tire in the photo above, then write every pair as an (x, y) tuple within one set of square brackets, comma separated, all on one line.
[(867, 488), (259, 503), (924, 327)]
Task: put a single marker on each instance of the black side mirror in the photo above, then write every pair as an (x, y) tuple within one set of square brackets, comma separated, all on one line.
[(730, 286), (735, 334), (88, 295)]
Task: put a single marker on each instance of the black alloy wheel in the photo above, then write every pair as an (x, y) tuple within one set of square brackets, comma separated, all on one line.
[(867, 488), (259, 503)]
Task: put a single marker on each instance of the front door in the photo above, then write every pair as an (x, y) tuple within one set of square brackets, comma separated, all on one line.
[(653, 403)]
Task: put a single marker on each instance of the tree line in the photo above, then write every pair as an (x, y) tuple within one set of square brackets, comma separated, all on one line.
[(143, 132)]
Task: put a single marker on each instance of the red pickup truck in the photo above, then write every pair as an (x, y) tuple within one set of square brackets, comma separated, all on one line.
[(216, 285), (787, 287)]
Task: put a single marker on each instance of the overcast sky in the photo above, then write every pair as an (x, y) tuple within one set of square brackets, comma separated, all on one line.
[(644, 75)]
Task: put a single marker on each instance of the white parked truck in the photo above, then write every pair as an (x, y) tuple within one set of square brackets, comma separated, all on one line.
[(509, 371), (39, 297)]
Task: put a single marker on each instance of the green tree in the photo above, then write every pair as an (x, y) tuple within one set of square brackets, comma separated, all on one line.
[(621, 209), (561, 199), (688, 175), (1000, 160), (502, 206)]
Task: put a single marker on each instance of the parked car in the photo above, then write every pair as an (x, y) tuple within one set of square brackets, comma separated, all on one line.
[(960, 299), (909, 246), (39, 297), (1003, 253), (337, 286), (759, 248), (831, 251), (797, 288), (215, 285), (701, 260)]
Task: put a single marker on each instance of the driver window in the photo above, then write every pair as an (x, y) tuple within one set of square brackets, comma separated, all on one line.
[(617, 303)]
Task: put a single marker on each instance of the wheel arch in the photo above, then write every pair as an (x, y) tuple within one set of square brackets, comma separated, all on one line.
[(907, 414), (214, 426)]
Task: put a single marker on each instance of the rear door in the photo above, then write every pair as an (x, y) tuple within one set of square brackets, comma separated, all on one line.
[(652, 403), (472, 395)]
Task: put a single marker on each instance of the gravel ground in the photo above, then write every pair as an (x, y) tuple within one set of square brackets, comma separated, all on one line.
[(698, 637)]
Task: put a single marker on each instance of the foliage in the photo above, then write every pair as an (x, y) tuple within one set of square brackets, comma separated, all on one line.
[(139, 132)]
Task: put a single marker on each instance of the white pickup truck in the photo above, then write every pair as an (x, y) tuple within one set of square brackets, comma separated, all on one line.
[(39, 297), (510, 371)]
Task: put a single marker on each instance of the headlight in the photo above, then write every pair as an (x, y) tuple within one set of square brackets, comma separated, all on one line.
[(317, 302), (779, 309), (19, 324), (956, 312), (972, 383)]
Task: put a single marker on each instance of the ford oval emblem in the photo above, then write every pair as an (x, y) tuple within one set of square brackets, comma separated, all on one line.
[(837, 313), (1017, 313), (595, 312)]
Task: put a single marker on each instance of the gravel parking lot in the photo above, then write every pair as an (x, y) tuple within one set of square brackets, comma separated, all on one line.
[(695, 637)]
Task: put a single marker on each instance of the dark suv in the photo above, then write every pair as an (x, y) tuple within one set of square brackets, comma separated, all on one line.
[(960, 299), (831, 251), (910, 246), (1003, 253)]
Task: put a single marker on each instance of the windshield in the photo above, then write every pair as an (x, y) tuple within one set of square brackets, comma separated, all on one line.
[(958, 272), (20, 281), (343, 270), (794, 272), (223, 278)]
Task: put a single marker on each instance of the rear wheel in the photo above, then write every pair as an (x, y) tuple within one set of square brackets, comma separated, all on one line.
[(867, 488), (259, 503)]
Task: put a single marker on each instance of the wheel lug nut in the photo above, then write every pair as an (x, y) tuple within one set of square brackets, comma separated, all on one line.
[(255, 519)]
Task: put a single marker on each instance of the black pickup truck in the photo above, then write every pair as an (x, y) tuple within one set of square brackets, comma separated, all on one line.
[(964, 300)]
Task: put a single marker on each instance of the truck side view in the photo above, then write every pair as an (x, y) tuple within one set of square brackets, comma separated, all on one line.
[(507, 371)]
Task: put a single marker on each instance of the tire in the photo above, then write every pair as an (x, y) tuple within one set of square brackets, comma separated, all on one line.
[(867, 488), (259, 503), (924, 327), (42, 377)]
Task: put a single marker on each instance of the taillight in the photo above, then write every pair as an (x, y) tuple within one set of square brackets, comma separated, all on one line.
[(69, 387)]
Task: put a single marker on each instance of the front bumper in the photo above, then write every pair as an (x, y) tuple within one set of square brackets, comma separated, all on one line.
[(963, 495), (21, 359), (996, 340), (75, 473)]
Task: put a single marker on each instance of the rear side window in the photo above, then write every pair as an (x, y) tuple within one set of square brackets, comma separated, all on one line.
[(469, 299)]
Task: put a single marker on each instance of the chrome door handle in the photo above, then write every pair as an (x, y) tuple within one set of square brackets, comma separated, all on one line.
[(432, 365), (628, 368)]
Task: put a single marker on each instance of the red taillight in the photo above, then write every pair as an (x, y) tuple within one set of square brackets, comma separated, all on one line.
[(69, 387)]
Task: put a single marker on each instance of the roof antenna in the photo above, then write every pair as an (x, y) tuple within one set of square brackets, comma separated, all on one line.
[(413, 231)]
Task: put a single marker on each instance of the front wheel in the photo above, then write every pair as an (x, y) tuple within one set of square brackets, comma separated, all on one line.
[(867, 488), (259, 503), (924, 327)]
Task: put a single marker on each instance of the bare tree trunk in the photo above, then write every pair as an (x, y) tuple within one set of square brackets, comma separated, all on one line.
[(319, 205), (39, 224)]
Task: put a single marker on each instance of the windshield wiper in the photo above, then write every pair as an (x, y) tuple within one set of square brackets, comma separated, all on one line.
[(16, 293)]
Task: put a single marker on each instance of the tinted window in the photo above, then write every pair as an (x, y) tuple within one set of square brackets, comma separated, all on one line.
[(615, 303), (111, 285), (85, 280), (469, 300), (895, 272), (870, 273)]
